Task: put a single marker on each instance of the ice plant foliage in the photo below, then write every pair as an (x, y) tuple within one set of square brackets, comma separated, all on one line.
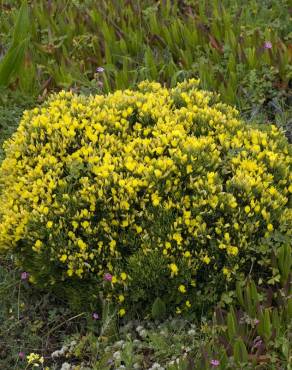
[(90, 181)]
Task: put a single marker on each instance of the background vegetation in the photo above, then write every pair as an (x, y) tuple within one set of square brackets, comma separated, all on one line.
[(242, 49)]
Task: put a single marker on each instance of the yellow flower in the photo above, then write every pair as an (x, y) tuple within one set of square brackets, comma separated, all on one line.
[(188, 304), (189, 168), (34, 358), (226, 272), (112, 244), (121, 298), (233, 204), (155, 199), (63, 258), (257, 208), (123, 276), (139, 229), (187, 254), (85, 224), (236, 226), (122, 312), (270, 227), (167, 245), (31, 279), (178, 311), (81, 245), (178, 238), (182, 288), (157, 173), (49, 224), (114, 280), (206, 260), (232, 250), (174, 269), (37, 246), (247, 209)]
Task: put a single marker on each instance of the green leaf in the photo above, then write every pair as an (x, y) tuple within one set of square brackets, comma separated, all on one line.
[(22, 25), (158, 309), (264, 327), (276, 322), (284, 257), (109, 321), (231, 324), (12, 62), (239, 352), (239, 293)]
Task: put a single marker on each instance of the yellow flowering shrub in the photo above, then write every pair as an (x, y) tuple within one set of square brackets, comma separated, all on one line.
[(93, 185)]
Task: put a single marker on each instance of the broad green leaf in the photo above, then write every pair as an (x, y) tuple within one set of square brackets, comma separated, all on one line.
[(239, 352), (231, 324), (11, 63), (22, 25)]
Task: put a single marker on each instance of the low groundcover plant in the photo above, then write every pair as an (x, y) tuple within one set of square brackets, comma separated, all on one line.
[(144, 194)]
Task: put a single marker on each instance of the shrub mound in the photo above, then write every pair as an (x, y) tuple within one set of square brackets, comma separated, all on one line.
[(155, 193)]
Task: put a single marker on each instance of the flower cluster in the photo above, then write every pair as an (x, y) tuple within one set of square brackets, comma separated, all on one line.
[(34, 359), (90, 181)]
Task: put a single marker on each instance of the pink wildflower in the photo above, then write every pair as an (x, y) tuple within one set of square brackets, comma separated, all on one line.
[(107, 277), (215, 362), (268, 45), (24, 275)]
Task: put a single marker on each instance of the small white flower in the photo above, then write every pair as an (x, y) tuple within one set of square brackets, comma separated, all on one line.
[(139, 328), (117, 355), (156, 366), (66, 366), (55, 354), (119, 343), (143, 333)]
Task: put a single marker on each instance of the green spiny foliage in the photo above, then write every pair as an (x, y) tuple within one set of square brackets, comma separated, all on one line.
[(221, 42)]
